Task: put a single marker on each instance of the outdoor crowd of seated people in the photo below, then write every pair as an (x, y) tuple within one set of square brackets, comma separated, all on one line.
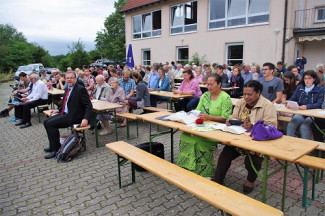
[(259, 87)]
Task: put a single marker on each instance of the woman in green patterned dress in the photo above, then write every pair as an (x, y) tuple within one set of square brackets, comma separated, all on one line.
[(196, 153)]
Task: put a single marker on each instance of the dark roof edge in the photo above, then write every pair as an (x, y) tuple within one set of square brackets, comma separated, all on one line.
[(144, 5)]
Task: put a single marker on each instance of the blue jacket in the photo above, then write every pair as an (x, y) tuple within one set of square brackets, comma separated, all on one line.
[(165, 85), (312, 100)]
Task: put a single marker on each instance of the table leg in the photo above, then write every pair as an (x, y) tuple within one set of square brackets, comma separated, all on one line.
[(116, 136), (172, 145), (150, 138), (96, 129), (284, 189), (264, 179), (171, 104)]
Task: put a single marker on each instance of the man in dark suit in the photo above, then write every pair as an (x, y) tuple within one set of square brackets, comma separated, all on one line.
[(76, 108)]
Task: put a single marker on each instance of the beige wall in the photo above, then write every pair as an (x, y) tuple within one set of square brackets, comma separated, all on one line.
[(261, 44)]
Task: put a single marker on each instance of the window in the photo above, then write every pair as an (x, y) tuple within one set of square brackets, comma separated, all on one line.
[(320, 14), (146, 57), (184, 18), (233, 13), (147, 25), (182, 54), (234, 53)]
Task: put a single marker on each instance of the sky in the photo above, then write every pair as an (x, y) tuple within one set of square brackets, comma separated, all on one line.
[(54, 24)]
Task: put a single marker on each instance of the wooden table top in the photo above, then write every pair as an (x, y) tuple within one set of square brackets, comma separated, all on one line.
[(169, 94), (104, 105), (309, 112), (151, 117), (285, 148), (56, 91)]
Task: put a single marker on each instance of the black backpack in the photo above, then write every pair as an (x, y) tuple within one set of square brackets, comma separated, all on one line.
[(71, 147)]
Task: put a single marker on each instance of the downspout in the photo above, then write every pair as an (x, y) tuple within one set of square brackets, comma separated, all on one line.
[(284, 30)]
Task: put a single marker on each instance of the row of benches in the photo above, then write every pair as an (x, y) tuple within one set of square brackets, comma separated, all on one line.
[(211, 192)]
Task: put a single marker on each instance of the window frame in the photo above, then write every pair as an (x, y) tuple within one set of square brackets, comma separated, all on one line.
[(233, 44), (143, 60), (177, 54), (183, 4), (151, 31), (226, 18), (316, 14)]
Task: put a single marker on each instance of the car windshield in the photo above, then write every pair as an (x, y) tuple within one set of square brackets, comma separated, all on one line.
[(25, 68)]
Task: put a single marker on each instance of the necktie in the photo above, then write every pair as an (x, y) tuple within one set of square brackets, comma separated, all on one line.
[(65, 101)]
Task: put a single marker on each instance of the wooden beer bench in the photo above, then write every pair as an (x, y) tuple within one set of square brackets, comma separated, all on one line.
[(217, 195)]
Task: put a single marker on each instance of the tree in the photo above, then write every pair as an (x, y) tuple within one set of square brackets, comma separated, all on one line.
[(76, 57), (111, 41), (16, 51)]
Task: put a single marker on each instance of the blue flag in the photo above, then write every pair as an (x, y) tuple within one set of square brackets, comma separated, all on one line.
[(129, 58)]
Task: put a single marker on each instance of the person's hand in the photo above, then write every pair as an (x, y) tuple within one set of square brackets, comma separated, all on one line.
[(150, 89), (52, 112), (288, 106), (15, 92), (24, 99), (84, 123), (227, 123), (180, 92), (247, 125), (205, 117), (175, 92), (284, 102), (303, 107)]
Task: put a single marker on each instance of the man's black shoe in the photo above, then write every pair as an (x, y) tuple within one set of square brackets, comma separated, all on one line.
[(50, 155), (20, 123), (47, 149), (26, 125)]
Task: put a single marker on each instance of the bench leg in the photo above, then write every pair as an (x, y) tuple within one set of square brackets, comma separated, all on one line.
[(120, 162)]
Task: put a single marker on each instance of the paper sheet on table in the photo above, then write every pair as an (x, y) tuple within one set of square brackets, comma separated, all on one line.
[(293, 104), (322, 112)]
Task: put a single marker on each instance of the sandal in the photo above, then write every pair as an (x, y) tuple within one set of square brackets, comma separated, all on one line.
[(121, 125)]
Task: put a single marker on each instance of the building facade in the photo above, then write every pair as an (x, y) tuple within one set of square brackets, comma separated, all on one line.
[(226, 31)]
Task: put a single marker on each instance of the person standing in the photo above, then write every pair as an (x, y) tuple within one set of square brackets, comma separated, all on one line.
[(300, 63), (76, 109), (272, 86)]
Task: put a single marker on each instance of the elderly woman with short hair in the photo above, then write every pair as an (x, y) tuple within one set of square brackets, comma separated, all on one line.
[(102, 91), (118, 96)]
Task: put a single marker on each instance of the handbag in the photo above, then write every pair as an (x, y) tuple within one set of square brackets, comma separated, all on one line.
[(261, 131)]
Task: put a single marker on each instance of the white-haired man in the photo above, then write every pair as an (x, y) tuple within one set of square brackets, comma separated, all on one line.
[(38, 96)]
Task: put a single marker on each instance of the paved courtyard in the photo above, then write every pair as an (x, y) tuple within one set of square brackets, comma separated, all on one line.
[(31, 185)]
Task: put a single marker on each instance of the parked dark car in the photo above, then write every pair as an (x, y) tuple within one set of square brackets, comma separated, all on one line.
[(48, 70)]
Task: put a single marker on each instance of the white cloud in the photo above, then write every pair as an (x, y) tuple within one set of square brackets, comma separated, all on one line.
[(62, 20)]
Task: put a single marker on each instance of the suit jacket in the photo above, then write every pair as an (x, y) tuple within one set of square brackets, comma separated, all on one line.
[(79, 105)]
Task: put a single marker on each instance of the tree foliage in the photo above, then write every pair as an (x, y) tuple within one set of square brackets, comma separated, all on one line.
[(76, 57), (111, 40), (16, 51)]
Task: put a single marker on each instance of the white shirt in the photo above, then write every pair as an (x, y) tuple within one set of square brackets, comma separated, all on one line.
[(98, 91), (39, 91)]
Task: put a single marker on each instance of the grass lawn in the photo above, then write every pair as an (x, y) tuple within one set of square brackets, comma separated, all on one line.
[(6, 75)]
